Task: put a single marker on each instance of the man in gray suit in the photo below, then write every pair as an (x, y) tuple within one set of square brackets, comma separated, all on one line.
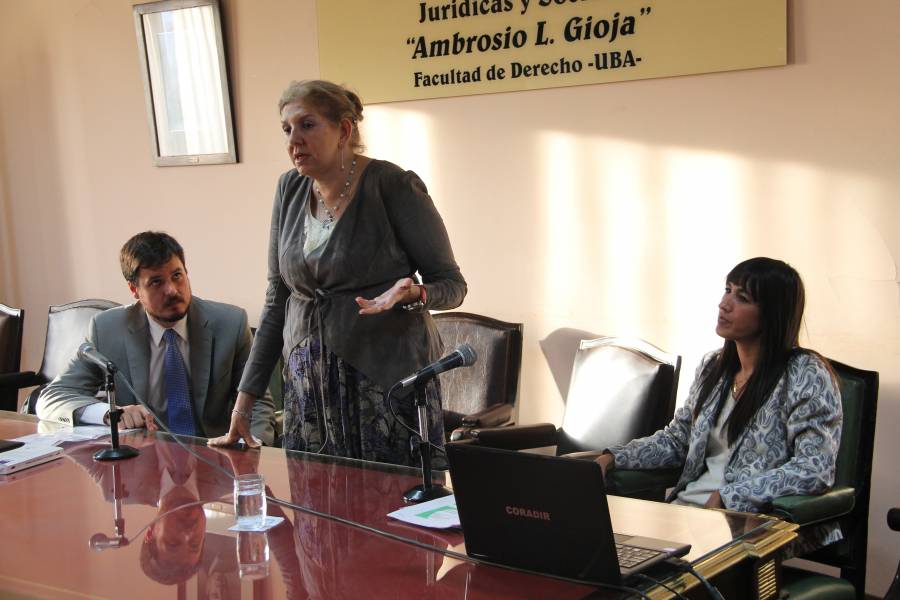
[(183, 355)]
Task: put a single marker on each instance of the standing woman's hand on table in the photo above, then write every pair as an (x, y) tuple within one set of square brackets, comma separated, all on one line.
[(240, 424)]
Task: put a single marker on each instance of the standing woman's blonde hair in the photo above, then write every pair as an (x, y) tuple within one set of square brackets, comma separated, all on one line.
[(332, 101)]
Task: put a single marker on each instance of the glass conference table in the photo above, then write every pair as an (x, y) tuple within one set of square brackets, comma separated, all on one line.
[(156, 526)]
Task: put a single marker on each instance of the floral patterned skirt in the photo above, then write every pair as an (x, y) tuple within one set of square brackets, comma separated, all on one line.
[(331, 408)]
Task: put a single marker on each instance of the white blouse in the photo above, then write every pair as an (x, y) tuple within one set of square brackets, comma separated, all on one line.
[(698, 491)]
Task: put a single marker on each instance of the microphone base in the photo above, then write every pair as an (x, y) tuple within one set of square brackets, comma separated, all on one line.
[(421, 493), (119, 453)]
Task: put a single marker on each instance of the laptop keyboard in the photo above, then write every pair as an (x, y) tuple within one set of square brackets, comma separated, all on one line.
[(630, 556)]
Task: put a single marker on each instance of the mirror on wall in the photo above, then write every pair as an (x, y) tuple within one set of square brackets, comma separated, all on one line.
[(185, 82)]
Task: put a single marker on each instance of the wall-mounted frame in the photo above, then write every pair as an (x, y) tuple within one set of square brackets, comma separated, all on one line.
[(182, 58)]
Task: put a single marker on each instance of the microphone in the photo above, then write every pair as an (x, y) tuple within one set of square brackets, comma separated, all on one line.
[(101, 541), (86, 351), (463, 356)]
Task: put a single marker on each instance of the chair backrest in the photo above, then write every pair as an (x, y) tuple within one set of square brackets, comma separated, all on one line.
[(893, 520), (859, 400), (621, 389), (67, 326), (12, 321), (494, 378)]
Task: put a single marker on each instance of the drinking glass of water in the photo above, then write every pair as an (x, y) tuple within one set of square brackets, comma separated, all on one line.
[(250, 500), (253, 554)]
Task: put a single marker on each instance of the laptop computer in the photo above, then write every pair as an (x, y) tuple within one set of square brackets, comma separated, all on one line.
[(545, 514)]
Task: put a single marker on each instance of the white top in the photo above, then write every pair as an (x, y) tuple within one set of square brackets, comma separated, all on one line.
[(317, 232), (95, 413), (698, 491)]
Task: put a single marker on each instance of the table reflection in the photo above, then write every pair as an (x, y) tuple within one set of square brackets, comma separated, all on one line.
[(173, 546), (159, 525), (328, 549)]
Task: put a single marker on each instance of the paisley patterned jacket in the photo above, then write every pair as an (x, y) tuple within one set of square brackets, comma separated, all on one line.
[(789, 447)]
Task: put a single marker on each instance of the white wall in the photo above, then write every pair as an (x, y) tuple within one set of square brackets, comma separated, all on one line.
[(613, 208)]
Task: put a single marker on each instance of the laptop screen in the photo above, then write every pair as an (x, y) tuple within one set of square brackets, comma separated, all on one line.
[(541, 513)]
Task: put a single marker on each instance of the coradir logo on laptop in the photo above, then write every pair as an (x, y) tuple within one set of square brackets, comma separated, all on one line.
[(528, 513)]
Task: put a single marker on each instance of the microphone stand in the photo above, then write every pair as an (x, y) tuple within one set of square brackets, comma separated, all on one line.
[(116, 452), (428, 490), (100, 541)]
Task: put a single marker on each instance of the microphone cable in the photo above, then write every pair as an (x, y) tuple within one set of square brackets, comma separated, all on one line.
[(685, 566), (320, 367), (655, 581), (388, 397)]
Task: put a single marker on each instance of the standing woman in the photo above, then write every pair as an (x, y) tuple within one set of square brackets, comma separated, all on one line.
[(763, 417), (348, 235)]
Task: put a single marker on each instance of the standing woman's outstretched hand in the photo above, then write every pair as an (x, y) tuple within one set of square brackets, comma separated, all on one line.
[(240, 424), (404, 291)]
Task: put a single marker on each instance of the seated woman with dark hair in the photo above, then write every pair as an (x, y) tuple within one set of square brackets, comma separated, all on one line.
[(763, 417)]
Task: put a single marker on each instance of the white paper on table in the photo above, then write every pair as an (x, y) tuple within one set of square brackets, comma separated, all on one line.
[(80, 433), (439, 513), (41, 439)]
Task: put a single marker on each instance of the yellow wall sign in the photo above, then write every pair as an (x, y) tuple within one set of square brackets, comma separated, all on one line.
[(392, 50)]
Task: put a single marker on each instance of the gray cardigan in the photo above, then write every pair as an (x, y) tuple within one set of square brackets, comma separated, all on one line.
[(390, 230)]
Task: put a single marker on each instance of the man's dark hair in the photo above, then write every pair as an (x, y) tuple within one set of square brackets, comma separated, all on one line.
[(148, 249)]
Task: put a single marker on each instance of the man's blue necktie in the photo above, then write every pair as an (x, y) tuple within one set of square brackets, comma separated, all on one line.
[(178, 393)]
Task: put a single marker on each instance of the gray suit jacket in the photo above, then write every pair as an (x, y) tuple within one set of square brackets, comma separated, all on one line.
[(220, 344)]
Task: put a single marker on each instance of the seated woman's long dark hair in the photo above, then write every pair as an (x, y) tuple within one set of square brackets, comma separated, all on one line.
[(777, 289)]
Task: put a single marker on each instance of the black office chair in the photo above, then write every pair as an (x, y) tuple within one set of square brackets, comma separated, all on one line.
[(12, 323), (67, 327), (620, 389), (847, 502), (893, 520), (483, 395)]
